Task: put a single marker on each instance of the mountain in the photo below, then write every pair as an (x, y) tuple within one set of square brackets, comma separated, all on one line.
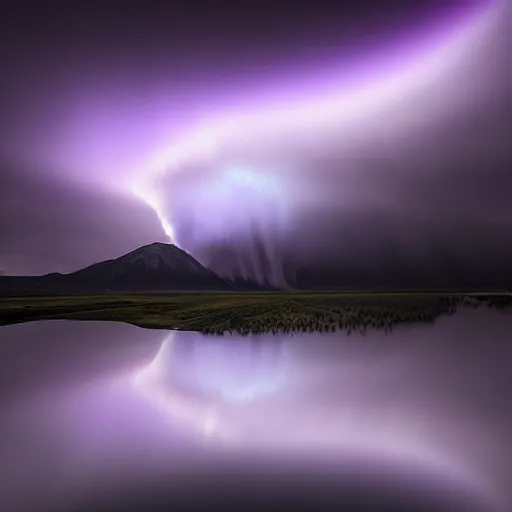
[(154, 267)]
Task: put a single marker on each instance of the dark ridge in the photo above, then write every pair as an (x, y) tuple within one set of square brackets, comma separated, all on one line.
[(154, 267)]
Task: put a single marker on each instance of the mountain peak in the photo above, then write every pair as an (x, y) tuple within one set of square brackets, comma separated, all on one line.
[(162, 256), (156, 266), (157, 244)]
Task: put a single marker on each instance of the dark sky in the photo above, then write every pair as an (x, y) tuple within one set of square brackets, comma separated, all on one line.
[(410, 181)]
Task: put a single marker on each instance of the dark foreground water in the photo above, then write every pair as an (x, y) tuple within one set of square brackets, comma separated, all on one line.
[(101, 416)]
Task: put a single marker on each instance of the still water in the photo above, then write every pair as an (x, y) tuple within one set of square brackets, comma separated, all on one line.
[(98, 416)]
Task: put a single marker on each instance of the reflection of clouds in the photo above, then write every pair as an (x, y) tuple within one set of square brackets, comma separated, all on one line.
[(199, 414), (226, 369), (321, 394), (198, 381)]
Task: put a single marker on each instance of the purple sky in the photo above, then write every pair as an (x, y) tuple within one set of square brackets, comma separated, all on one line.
[(391, 159)]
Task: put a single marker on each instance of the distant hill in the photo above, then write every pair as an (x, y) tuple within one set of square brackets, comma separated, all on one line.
[(160, 267), (154, 267)]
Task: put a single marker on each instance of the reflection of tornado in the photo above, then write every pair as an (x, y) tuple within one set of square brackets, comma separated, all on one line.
[(227, 370), (195, 379), (151, 382), (233, 390)]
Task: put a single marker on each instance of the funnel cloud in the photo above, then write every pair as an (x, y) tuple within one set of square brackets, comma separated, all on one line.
[(351, 146)]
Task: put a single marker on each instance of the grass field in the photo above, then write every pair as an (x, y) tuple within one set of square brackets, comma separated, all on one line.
[(246, 312)]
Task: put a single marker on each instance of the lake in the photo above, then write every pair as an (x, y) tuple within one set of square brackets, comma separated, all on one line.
[(98, 416)]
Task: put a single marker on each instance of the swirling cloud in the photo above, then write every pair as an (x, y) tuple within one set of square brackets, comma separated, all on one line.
[(250, 174)]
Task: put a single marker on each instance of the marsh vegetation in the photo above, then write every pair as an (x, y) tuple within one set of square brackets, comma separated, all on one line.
[(249, 313)]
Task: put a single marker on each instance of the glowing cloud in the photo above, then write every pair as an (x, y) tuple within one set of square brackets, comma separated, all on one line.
[(335, 106)]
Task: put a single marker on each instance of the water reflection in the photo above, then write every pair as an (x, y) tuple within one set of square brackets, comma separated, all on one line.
[(232, 370), (202, 380), (91, 413)]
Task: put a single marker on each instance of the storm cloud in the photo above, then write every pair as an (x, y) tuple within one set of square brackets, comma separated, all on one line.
[(393, 189)]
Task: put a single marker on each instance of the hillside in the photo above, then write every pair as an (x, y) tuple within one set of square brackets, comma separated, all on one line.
[(154, 267)]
